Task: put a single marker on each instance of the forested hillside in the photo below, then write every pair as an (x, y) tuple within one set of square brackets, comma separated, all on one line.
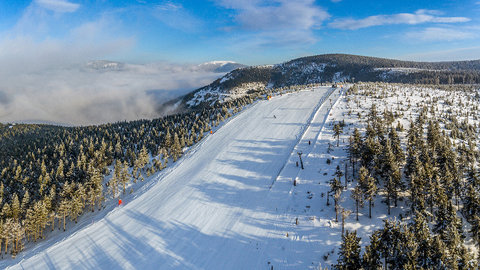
[(50, 175), (329, 68), (426, 173)]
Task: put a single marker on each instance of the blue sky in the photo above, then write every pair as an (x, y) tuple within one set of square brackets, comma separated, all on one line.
[(246, 31)]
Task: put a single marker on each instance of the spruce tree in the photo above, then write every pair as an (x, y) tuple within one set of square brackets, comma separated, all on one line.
[(357, 195), (336, 188), (337, 130), (369, 188), (176, 148), (15, 207), (372, 255), (349, 254), (475, 230), (64, 210), (355, 148)]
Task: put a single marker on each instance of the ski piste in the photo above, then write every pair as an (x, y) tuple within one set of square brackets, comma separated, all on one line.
[(217, 207)]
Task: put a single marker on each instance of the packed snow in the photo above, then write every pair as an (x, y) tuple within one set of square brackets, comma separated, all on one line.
[(229, 203)]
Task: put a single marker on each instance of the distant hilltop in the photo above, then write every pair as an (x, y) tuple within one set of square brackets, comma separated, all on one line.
[(332, 68)]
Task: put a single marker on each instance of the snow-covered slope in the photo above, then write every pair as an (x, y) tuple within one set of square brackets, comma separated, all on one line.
[(227, 204), (330, 68), (220, 66)]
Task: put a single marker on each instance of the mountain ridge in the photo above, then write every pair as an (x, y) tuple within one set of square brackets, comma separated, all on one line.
[(328, 68)]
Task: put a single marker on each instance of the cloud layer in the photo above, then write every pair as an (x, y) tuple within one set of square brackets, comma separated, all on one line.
[(83, 94), (419, 17)]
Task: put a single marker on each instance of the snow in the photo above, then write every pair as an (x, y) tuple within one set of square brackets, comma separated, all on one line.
[(227, 204), (230, 202), (212, 95), (219, 63)]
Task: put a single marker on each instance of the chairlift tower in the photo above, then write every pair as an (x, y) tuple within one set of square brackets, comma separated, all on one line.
[(300, 156)]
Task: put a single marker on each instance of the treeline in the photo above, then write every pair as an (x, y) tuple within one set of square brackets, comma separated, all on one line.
[(236, 78), (437, 179), (376, 62), (352, 68), (50, 175)]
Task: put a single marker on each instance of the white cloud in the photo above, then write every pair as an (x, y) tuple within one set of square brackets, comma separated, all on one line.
[(176, 16), (419, 17), (440, 34), (459, 54), (60, 6), (277, 19), (279, 14), (79, 94)]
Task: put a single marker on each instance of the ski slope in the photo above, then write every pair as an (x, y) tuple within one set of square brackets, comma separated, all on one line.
[(229, 203)]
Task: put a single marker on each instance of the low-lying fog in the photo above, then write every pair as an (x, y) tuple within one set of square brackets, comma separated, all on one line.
[(96, 92)]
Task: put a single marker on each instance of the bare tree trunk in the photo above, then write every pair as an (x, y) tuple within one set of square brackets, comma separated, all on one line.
[(336, 211), (388, 203), (356, 206), (370, 208)]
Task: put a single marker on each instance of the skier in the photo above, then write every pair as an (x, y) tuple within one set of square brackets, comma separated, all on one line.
[(274, 116)]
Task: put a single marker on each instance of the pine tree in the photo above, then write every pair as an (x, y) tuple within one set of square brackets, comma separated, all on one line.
[(92, 198), (167, 142), (349, 254), (337, 130), (439, 256), (371, 256), (370, 150), (336, 188), (25, 202), (421, 232), (396, 146), (176, 148), (17, 234), (471, 203), (389, 190), (64, 210), (466, 260), (6, 212), (15, 207), (60, 175), (357, 195), (369, 188), (345, 214), (475, 230), (113, 183), (76, 208), (124, 176), (7, 232), (388, 239), (339, 174), (355, 148)]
